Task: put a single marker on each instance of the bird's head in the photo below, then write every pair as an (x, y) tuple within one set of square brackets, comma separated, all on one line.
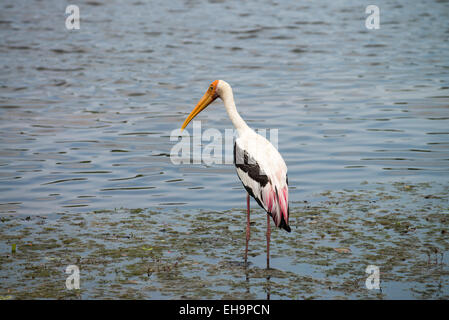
[(213, 92)]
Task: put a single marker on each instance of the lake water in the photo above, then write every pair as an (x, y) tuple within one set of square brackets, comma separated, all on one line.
[(86, 115)]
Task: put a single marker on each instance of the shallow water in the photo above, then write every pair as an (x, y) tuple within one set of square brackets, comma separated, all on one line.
[(86, 115), (172, 254)]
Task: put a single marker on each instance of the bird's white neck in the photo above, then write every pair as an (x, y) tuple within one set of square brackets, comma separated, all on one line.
[(228, 100)]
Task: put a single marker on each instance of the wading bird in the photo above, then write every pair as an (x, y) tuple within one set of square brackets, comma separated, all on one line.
[(259, 165)]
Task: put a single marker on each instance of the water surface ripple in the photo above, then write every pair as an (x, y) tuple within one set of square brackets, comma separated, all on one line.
[(86, 115), (86, 118)]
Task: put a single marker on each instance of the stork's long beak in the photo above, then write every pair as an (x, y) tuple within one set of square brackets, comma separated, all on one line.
[(206, 100)]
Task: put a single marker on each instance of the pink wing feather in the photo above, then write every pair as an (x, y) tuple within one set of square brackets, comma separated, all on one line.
[(265, 179)]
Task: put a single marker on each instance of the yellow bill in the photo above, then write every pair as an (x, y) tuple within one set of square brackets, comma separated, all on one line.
[(206, 100)]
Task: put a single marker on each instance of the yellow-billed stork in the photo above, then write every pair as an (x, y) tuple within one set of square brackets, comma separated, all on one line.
[(259, 165)]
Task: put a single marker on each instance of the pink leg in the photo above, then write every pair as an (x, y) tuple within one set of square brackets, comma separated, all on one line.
[(268, 240), (247, 228)]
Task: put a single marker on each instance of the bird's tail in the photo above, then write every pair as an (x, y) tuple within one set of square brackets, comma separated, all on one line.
[(277, 207), (284, 224), (282, 197)]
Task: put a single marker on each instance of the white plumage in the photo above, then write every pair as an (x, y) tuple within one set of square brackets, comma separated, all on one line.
[(268, 184)]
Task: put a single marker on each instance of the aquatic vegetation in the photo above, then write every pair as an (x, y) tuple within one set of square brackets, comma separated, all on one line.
[(141, 253)]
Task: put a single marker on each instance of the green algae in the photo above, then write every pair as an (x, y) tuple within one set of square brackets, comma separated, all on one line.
[(139, 253)]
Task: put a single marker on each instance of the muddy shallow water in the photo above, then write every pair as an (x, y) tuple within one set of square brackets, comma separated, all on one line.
[(86, 178), (155, 254)]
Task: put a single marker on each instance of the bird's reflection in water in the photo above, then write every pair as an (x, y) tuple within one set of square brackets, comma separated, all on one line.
[(267, 283), (268, 287), (247, 278)]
